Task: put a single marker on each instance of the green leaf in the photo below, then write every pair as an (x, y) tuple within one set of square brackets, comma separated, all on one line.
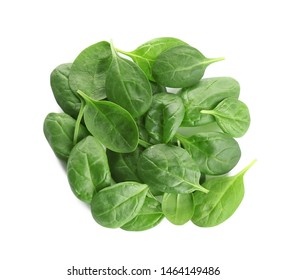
[(88, 169), (115, 206), (232, 116), (127, 86), (180, 66), (148, 217), (214, 152), (178, 208), (65, 97), (124, 166), (205, 95), (112, 125), (89, 70), (145, 55), (224, 196), (164, 117), (169, 169), (59, 132)]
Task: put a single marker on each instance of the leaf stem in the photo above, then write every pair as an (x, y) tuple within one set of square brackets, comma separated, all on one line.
[(209, 112), (85, 96), (144, 143), (78, 121)]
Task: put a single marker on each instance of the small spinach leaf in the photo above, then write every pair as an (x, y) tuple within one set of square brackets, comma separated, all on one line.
[(205, 95), (178, 208), (148, 217), (65, 97), (59, 132), (164, 117), (214, 152), (145, 55), (180, 66), (224, 196), (88, 169), (115, 206), (169, 169), (113, 126), (88, 71), (232, 116)]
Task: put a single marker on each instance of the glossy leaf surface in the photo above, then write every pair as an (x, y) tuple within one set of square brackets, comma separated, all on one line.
[(112, 125), (164, 117), (169, 169), (178, 208), (224, 196), (88, 71), (232, 116), (148, 217), (214, 152), (115, 206), (65, 97), (88, 169), (59, 132), (205, 95)]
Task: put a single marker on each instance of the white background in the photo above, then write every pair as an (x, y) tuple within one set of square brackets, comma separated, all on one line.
[(44, 229)]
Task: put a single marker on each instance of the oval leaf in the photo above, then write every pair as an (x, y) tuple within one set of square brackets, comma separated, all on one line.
[(114, 206), (169, 169), (87, 169)]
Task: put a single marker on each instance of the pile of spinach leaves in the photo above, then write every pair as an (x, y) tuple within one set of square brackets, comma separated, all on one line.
[(122, 135)]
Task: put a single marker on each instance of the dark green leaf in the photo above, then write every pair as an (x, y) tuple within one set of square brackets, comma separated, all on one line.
[(215, 153), (115, 206), (127, 86), (59, 131), (88, 71), (180, 66), (169, 169), (87, 169), (205, 95), (65, 97), (164, 117)]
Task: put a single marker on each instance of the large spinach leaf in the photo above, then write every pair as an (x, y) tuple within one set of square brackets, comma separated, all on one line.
[(88, 71), (214, 152), (180, 66), (115, 206), (111, 124), (205, 95), (88, 169), (169, 169)]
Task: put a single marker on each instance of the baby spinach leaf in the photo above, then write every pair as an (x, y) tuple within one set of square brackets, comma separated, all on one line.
[(169, 169), (65, 97), (164, 117), (115, 206), (59, 132), (180, 66), (127, 86), (88, 71), (178, 208), (88, 169), (205, 95), (224, 196), (145, 55), (113, 126), (214, 152), (148, 217), (124, 166), (232, 116)]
